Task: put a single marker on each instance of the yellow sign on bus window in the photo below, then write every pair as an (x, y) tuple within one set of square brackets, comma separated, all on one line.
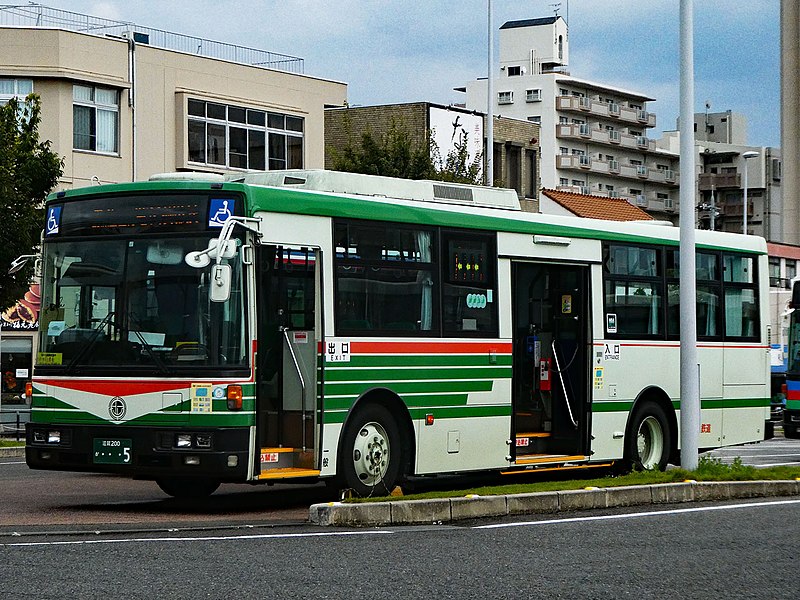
[(49, 358)]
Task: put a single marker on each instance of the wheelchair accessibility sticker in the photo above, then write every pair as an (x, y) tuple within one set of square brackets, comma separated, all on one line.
[(53, 220), (219, 210)]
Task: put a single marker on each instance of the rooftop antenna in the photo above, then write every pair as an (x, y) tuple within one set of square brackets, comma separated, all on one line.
[(556, 7)]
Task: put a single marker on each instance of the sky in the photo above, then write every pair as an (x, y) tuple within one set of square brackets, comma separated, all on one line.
[(411, 50)]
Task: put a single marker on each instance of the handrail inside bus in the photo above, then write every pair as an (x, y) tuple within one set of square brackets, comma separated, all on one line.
[(563, 387), (285, 331)]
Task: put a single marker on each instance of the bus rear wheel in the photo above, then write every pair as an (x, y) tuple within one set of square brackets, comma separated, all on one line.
[(188, 488), (649, 438), (371, 452)]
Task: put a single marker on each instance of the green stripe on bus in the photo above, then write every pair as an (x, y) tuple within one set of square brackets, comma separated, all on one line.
[(404, 387), (460, 412), (707, 403), (426, 401), (392, 374)]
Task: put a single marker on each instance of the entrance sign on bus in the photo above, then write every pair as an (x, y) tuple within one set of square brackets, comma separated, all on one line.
[(269, 328)]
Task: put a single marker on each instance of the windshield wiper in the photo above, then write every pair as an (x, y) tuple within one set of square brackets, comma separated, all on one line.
[(90, 342), (137, 332)]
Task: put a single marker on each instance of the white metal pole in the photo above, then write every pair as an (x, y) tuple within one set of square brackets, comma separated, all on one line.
[(690, 387), (490, 103), (744, 212)]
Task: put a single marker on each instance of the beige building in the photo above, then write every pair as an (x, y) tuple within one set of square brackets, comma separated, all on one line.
[(125, 102), (790, 119)]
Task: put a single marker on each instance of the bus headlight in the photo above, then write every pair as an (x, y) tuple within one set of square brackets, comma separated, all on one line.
[(183, 440)]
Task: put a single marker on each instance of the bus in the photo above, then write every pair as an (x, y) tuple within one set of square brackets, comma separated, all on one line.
[(300, 326), (791, 411)]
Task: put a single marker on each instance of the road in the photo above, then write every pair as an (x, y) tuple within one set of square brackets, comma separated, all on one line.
[(37, 501), (731, 550)]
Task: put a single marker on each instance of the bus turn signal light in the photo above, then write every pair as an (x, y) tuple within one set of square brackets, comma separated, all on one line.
[(234, 397), (28, 390)]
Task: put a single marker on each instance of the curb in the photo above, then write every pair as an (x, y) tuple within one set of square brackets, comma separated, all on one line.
[(447, 510), (13, 452)]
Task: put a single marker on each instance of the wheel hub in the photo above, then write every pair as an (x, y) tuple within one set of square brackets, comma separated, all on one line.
[(371, 453)]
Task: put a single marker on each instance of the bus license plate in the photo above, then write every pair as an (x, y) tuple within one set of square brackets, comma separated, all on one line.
[(112, 451)]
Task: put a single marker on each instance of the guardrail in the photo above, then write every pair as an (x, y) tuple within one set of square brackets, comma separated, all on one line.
[(12, 422)]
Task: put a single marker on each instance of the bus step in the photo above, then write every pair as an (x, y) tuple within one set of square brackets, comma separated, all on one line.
[(281, 459), (532, 443), (287, 473), (548, 459)]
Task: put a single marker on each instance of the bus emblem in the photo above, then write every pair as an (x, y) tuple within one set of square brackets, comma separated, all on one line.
[(117, 408)]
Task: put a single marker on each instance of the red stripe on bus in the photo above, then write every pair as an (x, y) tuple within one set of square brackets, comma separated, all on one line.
[(429, 347), (674, 345)]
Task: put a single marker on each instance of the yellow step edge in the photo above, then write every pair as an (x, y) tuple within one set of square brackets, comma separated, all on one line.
[(537, 434), (288, 473), (556, 468), (278, 450), (535, 459)]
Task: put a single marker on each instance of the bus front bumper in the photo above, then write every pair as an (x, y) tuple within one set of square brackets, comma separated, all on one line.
[(140, 452)]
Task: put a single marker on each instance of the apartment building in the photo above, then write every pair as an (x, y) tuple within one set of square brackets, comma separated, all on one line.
[(121, 102), (594, 137), (727, 168)]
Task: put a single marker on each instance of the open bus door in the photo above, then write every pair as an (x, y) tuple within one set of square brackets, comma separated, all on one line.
[(551, 361), (289, 335)]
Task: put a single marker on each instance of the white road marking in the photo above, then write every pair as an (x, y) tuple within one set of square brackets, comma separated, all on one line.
[(21, 462), (204, 538), (653, 513)]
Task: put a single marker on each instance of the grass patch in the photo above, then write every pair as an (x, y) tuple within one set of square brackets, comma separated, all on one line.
[(708, 469), (11, 444)]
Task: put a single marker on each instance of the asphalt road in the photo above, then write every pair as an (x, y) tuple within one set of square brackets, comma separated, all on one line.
[(731, 550)]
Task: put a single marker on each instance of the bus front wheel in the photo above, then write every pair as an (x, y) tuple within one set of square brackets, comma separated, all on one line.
[(187, 488), (371, 454), (649, 439)]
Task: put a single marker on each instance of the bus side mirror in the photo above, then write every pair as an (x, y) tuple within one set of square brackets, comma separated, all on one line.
[(220, 283)]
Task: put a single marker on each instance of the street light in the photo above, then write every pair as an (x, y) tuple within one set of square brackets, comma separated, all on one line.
[(745, 156)]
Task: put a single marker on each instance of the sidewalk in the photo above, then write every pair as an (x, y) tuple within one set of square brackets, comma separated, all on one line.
[(448, 510)]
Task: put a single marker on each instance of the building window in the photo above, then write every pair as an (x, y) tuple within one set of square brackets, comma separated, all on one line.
[(533, 95), (95, 118), (514, 71), (535, 119), (563, 181), (14, 88), (243, 138), (505, 97)]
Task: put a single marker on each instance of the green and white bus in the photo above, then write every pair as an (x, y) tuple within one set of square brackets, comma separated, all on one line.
[(314, 325)]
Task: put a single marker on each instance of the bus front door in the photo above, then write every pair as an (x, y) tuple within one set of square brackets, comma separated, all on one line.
[(289, 334), (551, 360)]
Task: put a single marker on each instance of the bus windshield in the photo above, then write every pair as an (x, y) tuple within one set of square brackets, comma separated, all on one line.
[(793, 362), (135, 304)]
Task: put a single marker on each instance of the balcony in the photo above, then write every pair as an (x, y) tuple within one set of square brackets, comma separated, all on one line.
[(718, 181), (623, 114), (609, 137), (615, 168)]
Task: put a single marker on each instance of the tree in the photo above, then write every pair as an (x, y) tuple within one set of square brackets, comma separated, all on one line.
[(397, 154), (28, 171)]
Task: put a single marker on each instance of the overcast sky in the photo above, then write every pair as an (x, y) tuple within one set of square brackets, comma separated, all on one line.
[(412, 50)]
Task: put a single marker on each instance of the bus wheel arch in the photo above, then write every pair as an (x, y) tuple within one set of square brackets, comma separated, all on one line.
[(377, 425), (651, 431)]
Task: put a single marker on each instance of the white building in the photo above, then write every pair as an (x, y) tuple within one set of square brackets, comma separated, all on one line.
[(594, 137)]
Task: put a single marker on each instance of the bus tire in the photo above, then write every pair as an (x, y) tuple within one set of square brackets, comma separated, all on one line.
[(371, 452), (791, 432), (649, 438), (187, 488)]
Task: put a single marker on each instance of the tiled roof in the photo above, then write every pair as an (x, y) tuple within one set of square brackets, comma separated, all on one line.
[(598, 207)]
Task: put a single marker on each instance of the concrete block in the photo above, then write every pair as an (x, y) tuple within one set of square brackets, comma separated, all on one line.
[(478, 506), (711, 490), (788, 487), (669, 493), (408, 512), (628, 495), (581, 499), (360, 514), (538, 502), (747, 489)]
